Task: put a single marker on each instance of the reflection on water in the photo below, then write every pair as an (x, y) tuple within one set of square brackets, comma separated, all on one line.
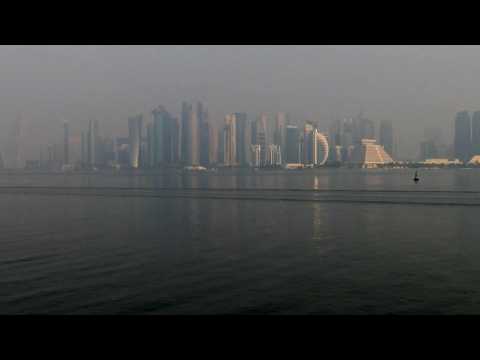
[(318, 179), (241, 253)]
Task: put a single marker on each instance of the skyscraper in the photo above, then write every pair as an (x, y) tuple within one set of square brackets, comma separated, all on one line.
[(386, 136), (241, 138), (203, 134), (213, 146), (434, 146), (175, 140), (92, 142), (363, 128), (221, 145), (259, 135), (308, 143), (273, 156), (279, 137), (349, 137), (320, 148), (205, 144), (83, 149), (192, 122), (163, 138), (150, 145), (66, 135), (230, 152), (134, 139), (194, 157), (186, 133), (292, 144), (14, 153), (476, 133), (255, 156), (463, 136), (428, 150)]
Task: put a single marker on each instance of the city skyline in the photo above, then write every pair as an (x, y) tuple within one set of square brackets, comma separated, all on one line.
[(160, 139), (415, 87)]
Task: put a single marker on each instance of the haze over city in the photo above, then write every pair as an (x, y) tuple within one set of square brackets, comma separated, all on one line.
[(415, 87), (267, 180)]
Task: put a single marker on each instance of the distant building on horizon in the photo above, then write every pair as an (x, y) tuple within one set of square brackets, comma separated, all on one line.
[(363, 128), (66, 142), (259, 135), (90, 143), (162, 138), (274, 155), (428, 150), (463, 136), (308, 139), (475, 147), (194, 134), (321, 148), (186, 133), (135, 124), (230, 146), (292, 151), (241, 129), (203, 135), (255, 156), (279, 137), (370, 154), (386, 136)]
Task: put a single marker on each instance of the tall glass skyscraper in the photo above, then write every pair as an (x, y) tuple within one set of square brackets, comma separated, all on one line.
[(164, 137), (203, 134), (134, 138), (386, 136), (186, 137), (92, 142), (279, 134), (241, 138), (463, 136), (308, 141), (476, 133), (230, 152), (66, 135), (363, 129), (259, 135), (292, 144), (194, 136)]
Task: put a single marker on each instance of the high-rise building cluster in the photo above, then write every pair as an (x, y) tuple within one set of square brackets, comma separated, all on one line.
[(353, 141), (162, 140), (193, 141)]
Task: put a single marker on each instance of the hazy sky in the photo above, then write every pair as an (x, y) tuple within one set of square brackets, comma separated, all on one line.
[(414, 86)]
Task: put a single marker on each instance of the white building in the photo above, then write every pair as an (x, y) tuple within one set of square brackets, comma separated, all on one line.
[(320, 148), (370, 154), (438, 161), (255, 155), (274, 155)]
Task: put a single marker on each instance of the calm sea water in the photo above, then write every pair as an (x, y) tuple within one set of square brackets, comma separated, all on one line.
[(333, 241)]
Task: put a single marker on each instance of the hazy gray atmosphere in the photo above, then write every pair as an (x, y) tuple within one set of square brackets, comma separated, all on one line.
[(266, 180), (414, 86)]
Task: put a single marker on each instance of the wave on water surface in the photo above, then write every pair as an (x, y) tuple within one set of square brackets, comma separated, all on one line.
[(407, 197)]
